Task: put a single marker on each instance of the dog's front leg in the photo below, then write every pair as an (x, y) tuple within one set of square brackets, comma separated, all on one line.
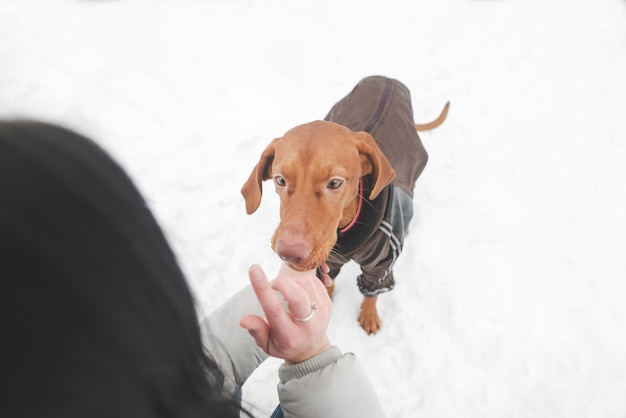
[(368, 317)]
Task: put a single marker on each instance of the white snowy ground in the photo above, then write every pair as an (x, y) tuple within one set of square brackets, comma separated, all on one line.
[(510, 291)]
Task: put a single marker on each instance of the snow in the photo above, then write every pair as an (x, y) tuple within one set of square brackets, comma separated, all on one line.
[(510, 289)]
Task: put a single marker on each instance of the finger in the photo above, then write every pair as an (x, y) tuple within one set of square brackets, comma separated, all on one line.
[(258, 329), (296, 296), (298, 299), (325, 275), (252, 322), (313, 286), (325, 278), (292, 283), (270, 302), (307, 279)]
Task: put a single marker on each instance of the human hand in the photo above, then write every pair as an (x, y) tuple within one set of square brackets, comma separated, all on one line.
[(289, 334), (324, 276)]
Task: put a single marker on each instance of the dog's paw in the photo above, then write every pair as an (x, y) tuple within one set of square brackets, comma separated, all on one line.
[(369, 322), (368, 317)]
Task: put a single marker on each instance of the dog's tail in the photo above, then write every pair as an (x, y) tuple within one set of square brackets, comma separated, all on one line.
[(432, 125)]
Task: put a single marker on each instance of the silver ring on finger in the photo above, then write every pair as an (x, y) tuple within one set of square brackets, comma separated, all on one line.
[(309, 316)]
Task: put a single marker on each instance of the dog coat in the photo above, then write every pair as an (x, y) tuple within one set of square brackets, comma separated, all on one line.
[(382, 107)]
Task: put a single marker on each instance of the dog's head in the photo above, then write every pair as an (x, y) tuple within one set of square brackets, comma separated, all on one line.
[(316, 169)]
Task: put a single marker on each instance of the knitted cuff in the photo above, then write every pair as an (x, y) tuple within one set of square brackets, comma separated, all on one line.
[(286, 372)]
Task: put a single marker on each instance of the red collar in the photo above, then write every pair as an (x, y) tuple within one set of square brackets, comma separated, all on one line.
[(358, 209)]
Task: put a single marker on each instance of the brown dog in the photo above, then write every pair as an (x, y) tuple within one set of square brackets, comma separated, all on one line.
[(346, 186)]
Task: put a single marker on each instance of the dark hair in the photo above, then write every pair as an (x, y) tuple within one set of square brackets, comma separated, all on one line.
[(96, 317)]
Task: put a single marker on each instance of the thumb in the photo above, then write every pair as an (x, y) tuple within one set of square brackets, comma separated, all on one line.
[(258, 329)]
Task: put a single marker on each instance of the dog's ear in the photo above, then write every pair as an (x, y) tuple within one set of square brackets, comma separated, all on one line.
[(374, 162), (252, 188)]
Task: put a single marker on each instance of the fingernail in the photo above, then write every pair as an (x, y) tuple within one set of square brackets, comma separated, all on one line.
[(255, 272)]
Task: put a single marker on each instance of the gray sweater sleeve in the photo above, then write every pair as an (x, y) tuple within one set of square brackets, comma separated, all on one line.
[(330, 384), (231, 346)]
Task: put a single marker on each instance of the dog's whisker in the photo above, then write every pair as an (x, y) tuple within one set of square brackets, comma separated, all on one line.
[(366, 201), (363, 223), (337, 257)]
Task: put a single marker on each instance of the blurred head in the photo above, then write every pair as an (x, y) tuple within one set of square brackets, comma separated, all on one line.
[(97, 318)]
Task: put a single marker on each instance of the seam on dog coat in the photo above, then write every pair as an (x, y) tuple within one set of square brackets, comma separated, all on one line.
[(382, 107)]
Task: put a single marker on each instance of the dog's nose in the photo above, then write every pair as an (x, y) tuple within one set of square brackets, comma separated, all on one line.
[(292, 253)]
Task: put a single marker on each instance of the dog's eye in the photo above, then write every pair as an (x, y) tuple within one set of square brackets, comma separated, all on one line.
[(335, 184), (280, 181)]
